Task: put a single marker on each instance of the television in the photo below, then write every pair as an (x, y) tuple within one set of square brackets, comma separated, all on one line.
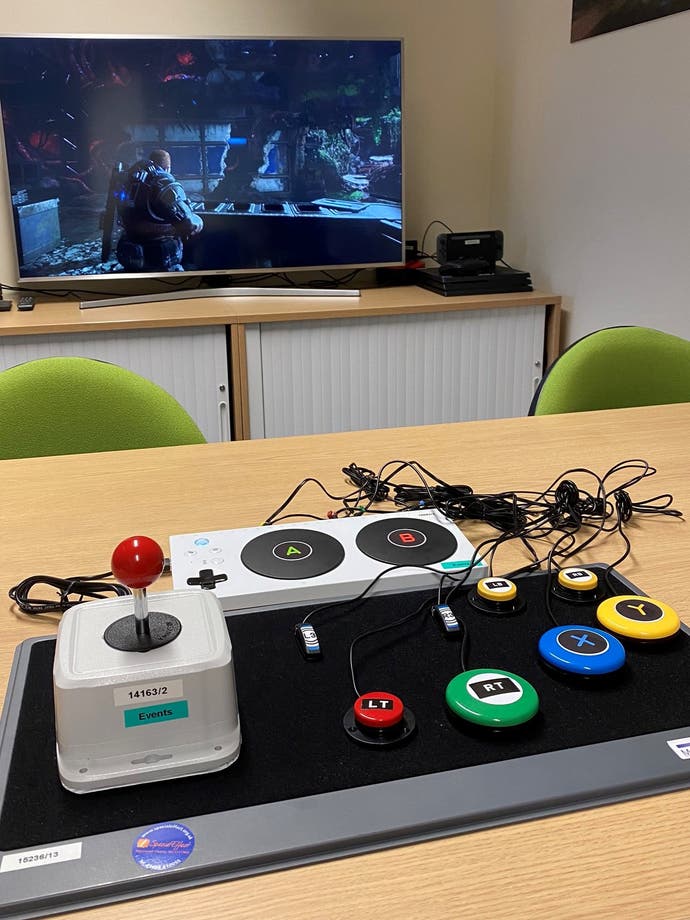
[(132, 157)]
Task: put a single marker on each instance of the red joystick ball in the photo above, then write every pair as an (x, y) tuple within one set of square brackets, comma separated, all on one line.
[(137, 562)]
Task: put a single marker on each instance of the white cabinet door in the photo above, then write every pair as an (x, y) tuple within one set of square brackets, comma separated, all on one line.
[(190, 363), (383, 372)]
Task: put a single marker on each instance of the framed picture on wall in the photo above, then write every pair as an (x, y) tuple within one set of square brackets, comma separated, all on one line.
[(593, 17)]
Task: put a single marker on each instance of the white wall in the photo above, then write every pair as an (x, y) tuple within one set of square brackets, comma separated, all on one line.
[(449, 71), (591, 170)]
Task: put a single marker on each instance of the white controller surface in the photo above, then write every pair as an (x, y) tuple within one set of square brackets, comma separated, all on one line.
[(239, 588)]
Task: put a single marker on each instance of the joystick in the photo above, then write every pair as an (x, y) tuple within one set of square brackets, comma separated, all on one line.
[(168, 673), (137, 562)]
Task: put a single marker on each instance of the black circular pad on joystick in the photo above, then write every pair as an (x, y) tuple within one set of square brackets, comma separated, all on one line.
[(406, 541), (292, 553), (122, 634)]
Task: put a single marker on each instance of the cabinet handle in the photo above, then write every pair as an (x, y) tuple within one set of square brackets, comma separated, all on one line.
[(223, 410)]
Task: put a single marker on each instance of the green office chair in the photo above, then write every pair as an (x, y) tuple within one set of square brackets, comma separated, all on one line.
[(614, 368), (79, 405)]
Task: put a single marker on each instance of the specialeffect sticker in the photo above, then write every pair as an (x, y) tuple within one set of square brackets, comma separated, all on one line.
[(163, 847)]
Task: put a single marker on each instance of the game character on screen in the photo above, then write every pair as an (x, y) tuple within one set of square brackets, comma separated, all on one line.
[(156, 217)]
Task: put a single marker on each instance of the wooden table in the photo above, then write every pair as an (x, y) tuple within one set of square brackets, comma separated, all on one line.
[(63, 515)]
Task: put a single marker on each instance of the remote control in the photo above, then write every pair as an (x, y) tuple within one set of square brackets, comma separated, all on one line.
[(26, 302)]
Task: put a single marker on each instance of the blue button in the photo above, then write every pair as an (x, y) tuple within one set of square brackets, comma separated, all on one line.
[(582, 650), (201, 541)]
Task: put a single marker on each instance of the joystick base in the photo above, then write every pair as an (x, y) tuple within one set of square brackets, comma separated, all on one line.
[(123, 718), (123, 635)]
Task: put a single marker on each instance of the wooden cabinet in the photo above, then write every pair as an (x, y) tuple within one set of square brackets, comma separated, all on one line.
[(190, 363), (261, 366), (319, 376)]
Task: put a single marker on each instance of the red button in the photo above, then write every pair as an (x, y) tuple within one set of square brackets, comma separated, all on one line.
[(378, 709)]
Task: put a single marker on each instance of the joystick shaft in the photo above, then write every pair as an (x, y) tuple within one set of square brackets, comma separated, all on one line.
[(141, 612)]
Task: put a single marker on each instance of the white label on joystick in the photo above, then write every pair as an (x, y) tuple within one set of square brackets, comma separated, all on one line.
[(137, 693)]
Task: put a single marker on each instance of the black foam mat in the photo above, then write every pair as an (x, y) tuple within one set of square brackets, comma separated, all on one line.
[(291, 712)]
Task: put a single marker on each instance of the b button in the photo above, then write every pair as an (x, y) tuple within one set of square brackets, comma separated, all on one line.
[(407, 538)]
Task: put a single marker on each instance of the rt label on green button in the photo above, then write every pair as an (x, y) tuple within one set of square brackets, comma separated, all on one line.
[(497, 699), (150, 715)]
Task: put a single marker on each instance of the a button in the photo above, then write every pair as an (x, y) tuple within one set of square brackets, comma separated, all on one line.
[(575, 578), (496, 699), (581, 650), (638, 617), (201, 541), (292, 551), (496, 589), (378, 710)]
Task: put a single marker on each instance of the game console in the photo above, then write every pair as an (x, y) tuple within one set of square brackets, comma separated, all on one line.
[(323, 561)]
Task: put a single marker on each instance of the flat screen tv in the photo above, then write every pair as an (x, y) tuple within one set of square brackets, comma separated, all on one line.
[(134, 156)]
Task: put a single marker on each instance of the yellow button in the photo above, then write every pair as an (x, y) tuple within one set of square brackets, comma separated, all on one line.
[(496, 589), (638, 617), (577, 579)]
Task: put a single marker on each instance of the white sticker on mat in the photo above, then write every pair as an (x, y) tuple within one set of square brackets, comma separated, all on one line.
[(46, 856), (680, 747)]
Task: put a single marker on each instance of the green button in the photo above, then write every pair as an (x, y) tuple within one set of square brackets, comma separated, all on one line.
[(498, 699), (149, 715)]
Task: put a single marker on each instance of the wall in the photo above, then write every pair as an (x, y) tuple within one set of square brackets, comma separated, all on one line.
[(449, 79), (591, 164)]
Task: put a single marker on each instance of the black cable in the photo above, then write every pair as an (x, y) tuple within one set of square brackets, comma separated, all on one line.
[(370, 632), (428, 227), (70, 591)]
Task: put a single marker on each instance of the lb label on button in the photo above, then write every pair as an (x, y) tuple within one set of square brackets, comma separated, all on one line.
[(638, 617), (496, 589)]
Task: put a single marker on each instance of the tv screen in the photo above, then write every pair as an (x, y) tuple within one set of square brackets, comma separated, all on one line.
[(143, 156)]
